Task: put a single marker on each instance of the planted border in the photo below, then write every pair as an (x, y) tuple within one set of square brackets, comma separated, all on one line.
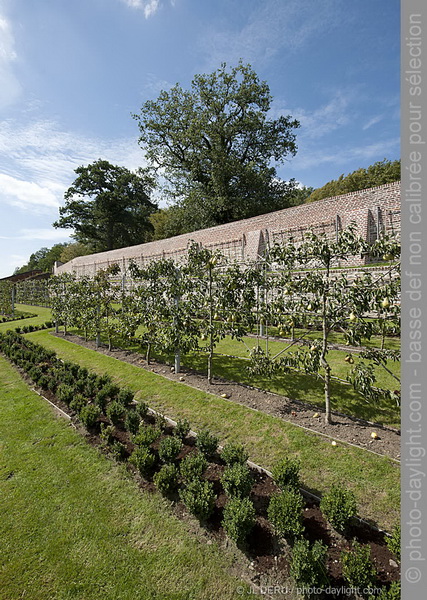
[(198, 494)]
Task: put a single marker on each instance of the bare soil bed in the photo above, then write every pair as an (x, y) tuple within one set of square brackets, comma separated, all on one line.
[(344, 428)]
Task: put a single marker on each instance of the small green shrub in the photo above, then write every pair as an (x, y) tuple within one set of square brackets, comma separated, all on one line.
[(78, 402), (391, 593), (101, 398), (106, 434), (80, 385), (65, 393), (160, 422), (142, 409), (144, 460), (132, 421), (35, 373), (239, 518), (111, 390), (339, 506), (357, 567), (199, 498), (169, 449), (286, 473), (193, 466), (146, 435), (207, 443), (182, 429), (116, 412), (103, 380), (118, 450), (125, 396), (166, 479), (82, 373), (44, 382), (234, 453), (285, 513), (308, 565), (394, 542), (237, 480), (89, 415)]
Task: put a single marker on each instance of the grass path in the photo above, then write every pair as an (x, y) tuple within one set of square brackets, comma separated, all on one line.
[(75, 526), (374, 480)]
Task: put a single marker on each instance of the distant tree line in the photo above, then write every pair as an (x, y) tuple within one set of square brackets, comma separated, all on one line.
[(381, 172)]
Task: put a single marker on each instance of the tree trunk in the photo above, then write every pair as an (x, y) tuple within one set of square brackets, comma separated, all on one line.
[(328, 418), (324, 362), (210, 356)]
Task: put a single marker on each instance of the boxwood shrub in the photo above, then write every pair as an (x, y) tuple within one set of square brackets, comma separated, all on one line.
[(285, 513), (234, 453), (237, 480), (286, 473), (357, 567), (169, 448), (116, 412), (167, 479), (193, 466), (89, 415), (207, 443), (144, 460), (182, 429), (308, 565), (339, 507), (199, 498), (239, 518)]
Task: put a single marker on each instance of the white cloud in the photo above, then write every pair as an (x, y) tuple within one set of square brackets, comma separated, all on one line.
[(26, 193), (338, 111), (9, 263), (372, 122), (149, 7), (10, 87), (52, 235), (38, 161)]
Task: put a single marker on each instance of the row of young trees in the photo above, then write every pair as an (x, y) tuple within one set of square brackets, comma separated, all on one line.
[(192, 306)]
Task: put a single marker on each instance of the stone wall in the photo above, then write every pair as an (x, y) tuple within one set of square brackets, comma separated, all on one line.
[(373, 210)]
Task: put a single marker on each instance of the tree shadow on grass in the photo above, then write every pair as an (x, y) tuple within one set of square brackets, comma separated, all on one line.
[(299, 387)]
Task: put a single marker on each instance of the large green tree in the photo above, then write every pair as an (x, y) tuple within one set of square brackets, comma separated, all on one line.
[(216, 146), (108, 206)]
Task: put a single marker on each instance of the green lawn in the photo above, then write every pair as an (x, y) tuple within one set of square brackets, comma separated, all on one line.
[(43, 315), (374, 479), (74, 524)]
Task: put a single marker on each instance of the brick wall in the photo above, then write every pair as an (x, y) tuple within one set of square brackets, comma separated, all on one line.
[(372, 210)]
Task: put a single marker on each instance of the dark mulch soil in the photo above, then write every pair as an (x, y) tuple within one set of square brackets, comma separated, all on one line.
[(344, 428)]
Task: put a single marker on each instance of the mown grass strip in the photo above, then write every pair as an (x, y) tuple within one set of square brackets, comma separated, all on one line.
[(43, 315), (75, 525), (374, 479)]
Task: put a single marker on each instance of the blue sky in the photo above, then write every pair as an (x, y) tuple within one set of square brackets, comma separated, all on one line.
[(71, 74)]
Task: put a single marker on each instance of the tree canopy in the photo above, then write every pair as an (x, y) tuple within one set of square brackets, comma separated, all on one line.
[(215, 146), (381, 172), (43, 259), (108, 206)]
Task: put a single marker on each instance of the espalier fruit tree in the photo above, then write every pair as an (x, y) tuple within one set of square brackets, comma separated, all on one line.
[(162, 298), (222, 299), (309, 290)]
